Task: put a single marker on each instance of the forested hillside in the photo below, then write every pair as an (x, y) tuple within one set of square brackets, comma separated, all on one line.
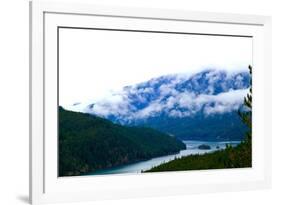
[(88, 143), (231, 157)]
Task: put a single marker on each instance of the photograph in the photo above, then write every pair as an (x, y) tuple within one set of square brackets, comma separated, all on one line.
[(143, 101)]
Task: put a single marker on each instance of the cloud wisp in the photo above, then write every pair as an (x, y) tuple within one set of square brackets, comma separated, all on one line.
[(179, 95)]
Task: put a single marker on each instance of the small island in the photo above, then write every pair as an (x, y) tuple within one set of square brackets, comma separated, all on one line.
[(204, 146)]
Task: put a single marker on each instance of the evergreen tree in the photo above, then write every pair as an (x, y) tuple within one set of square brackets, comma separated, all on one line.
[(246, 112)]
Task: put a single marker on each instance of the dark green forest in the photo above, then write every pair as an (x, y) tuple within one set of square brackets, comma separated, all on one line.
[(231, 157), (200, 127), (88, 143)]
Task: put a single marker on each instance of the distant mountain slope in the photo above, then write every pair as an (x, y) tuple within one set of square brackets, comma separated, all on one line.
[(88, 143), (216, 127), (202, 106)]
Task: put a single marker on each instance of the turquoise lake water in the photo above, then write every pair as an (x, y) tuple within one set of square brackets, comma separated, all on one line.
[(191, 148)]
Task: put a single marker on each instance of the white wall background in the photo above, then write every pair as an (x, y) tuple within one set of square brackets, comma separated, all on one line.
[(14, 100)]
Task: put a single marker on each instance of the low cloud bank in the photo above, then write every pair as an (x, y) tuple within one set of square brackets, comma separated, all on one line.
[(209, 92)]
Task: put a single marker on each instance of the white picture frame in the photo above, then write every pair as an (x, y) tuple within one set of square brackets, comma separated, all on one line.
[(46, 187)]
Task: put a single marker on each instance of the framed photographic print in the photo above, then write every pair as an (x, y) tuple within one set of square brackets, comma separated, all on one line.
[(129, 102)]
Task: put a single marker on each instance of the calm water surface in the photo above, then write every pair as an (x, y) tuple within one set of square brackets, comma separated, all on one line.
[(191, 148)]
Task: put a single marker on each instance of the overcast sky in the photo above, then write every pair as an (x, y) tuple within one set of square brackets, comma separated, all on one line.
[(94, 63)]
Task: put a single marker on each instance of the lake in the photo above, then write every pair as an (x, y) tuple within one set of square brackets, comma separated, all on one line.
[(191, 148)]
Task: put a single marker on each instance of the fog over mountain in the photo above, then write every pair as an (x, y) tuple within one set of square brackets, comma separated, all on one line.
[(179, 103), (178, 95)]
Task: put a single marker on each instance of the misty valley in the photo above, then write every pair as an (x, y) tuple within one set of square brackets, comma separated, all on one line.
[(172, 122)]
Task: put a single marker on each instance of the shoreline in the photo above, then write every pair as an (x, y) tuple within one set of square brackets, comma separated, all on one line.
[(191, 149)]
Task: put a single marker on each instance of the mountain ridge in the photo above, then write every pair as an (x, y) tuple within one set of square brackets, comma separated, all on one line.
[(212, 96)]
